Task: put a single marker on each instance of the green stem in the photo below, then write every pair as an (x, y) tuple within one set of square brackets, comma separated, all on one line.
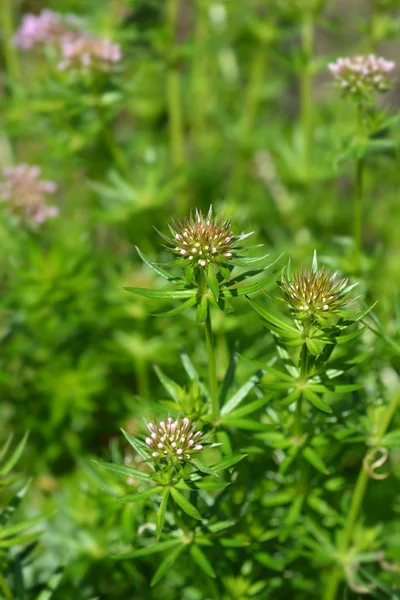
[(359, 190), (356, 502), (358, 206), (174, 93), (200, 72), (9, 49), (306, 113), (212, 365), (251, 104), (108, 138)]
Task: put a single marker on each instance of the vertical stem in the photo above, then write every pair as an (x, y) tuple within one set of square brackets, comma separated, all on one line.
[(212, 365), (359, 193), (250, 109), (9, 50), (358, 206), (306, 113), (356, 502), (199, 72), (109, 139), (174, 92)]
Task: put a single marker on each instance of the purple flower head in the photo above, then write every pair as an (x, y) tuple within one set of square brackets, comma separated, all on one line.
[(46, 28), (362, 75), (23, 193), (89, 53)]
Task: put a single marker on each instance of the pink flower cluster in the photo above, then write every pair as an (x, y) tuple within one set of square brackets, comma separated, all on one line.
[(174, 438), (87, 52), (78, 49), (24, 193), (45, 28), (362, 74)]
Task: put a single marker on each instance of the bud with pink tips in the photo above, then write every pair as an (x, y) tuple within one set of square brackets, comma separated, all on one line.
[(174, 438)]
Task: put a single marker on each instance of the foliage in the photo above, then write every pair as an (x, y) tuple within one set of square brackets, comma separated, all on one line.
[(255, 382)]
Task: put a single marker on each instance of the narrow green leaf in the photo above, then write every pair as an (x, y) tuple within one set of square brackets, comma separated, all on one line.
[(140, 495), (166, 564), (207, 483), (152, 549), (273, 319), (248, 408), (212, 281), (246, 289), (6, 468), (22, 540), (248, 424), (123, 469), (137, 445), (241, 394), (160, 516), (185, 505), (172, 388), (200, 558), (10, 531), (229, 378), (51, 586), (4, 450), (228, 462), (201, 466), (155, 267), (316, 400), (202, 307), (161, 294), (13, 504), (315, 460), (392, 439), (178, 309)]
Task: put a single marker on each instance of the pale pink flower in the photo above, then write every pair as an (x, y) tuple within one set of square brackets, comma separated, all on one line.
[(24, 193), (88, 52), (362, 74)]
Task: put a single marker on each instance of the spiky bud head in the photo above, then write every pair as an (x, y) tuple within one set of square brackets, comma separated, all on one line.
[(174, 439), (314, 293), (201, 240)]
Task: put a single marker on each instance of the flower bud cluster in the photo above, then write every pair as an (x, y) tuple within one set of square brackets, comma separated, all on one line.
[(203, 240), (78, 49), (23, 192), (314, 293), (88, 52), (361, 75), (174, 438), (45, 28)]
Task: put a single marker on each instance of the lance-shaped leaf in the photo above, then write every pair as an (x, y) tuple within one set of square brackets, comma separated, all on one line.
[(246, 289), (316, 400), (160, 516), (178, 309), (147, 550), (13, 459), (173, 389), (167, 564), (156, 267), (137, 445), (162, 294), (315, 460), (202, 561), (185, 505), (227, 462), (123, 470), (128, 498), (235, 400)]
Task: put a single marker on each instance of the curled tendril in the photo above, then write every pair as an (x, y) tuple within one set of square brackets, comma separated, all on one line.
[(372, 462), (351, 572)]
